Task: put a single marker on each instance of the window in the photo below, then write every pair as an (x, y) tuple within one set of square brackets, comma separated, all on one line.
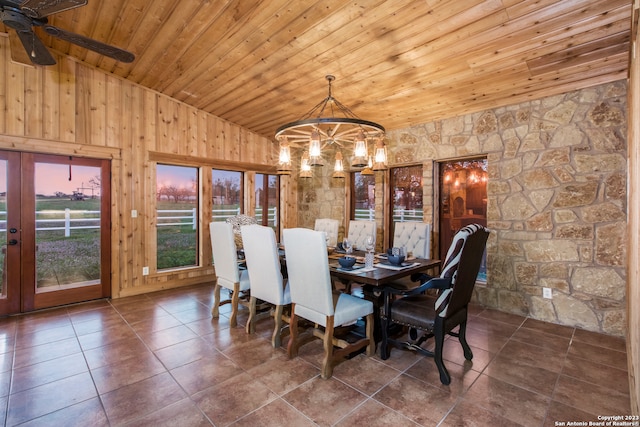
[(226, 193), (267, 200), (176, 216), (406, 193), (363, 197), (463, 200)]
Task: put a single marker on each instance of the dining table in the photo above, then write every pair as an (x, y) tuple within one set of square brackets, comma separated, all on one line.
[(382, 274), (372, 280)]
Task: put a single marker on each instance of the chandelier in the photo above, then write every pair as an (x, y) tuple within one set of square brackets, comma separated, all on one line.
[(332, 125)]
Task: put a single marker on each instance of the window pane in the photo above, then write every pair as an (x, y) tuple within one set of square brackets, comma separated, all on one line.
[(266, 192), (177, 216), (364, 197), (406, 185), (227, 194)]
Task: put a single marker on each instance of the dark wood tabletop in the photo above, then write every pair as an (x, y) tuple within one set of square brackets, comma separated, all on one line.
[(381, 276)]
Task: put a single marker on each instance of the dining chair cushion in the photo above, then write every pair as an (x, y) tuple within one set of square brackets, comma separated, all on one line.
[(348, 308), (415, 311)]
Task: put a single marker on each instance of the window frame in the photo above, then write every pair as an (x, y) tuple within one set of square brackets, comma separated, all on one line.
[(264, 203), (204, 166)]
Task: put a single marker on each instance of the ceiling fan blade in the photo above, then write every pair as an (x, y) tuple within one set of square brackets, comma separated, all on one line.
[(42, 8), (91, 44), (18, 53), (36, 50)]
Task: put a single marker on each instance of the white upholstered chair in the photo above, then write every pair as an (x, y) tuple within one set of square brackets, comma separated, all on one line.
[(228, 274), (329, 226), (312, 298), (267, 284), (415, 237), (358, 232)]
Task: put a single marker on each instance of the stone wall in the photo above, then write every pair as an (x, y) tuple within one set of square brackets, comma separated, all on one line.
[(323, 196), (556, 201)]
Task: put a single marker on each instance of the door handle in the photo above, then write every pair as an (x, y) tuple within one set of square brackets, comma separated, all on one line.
[(13, 242)]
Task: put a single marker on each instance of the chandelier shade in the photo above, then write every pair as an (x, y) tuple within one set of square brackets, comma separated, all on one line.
[(331, 125)]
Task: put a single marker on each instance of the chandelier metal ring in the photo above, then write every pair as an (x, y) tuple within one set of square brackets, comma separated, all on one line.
[(300, 130), (330, 123)]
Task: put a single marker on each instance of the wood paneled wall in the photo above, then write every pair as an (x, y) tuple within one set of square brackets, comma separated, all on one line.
[(73, 109), (633, 191)]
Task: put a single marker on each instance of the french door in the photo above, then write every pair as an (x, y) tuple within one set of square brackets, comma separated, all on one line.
[(54, 230)]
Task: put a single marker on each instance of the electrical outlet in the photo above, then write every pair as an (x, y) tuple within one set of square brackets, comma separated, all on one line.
[(134, 213), (546, 293), (145, 271)]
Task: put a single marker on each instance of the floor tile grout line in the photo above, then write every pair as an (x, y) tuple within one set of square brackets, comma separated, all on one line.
[(403, 371)]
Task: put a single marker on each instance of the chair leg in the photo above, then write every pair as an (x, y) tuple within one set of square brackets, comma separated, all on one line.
[(327, 362), (250, 328), (235, 300), (445, 378), (215, 310), (462, 336), (371, 348), (277, 319), (292, 348)]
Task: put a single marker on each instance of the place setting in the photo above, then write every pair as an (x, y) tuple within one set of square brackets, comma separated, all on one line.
[(393, 259)]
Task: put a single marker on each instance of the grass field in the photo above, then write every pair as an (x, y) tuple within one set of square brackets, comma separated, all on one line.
[(64, 260)]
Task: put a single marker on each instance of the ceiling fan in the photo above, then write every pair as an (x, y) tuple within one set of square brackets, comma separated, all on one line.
[(23, 15)]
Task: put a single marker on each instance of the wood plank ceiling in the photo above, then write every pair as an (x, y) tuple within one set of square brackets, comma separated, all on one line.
[(261, 64)]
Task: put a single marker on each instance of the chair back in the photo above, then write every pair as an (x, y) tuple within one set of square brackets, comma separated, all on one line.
[(225, 255), (329, 226), (263, 263), (358, 232), (414, 237), (462, 265), (308, 270)]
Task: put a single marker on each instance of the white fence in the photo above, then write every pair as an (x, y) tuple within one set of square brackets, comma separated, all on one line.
[(68, 219), (399, 215)]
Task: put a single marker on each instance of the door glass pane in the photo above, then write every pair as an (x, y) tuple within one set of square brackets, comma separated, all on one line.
[(3, 226), (364, 197), (177, 216), (227, 194), (266, 192), (67, 226), (463, 200)]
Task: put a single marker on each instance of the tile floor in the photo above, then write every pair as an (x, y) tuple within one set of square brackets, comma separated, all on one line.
[(160, 360)]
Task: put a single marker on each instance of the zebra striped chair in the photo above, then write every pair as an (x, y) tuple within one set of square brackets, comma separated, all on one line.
[(437, 315)]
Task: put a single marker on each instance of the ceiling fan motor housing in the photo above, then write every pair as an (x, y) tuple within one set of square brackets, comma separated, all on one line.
[(16, 20)]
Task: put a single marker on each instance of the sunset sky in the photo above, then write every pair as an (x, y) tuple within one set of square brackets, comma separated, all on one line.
[(52, 177)]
